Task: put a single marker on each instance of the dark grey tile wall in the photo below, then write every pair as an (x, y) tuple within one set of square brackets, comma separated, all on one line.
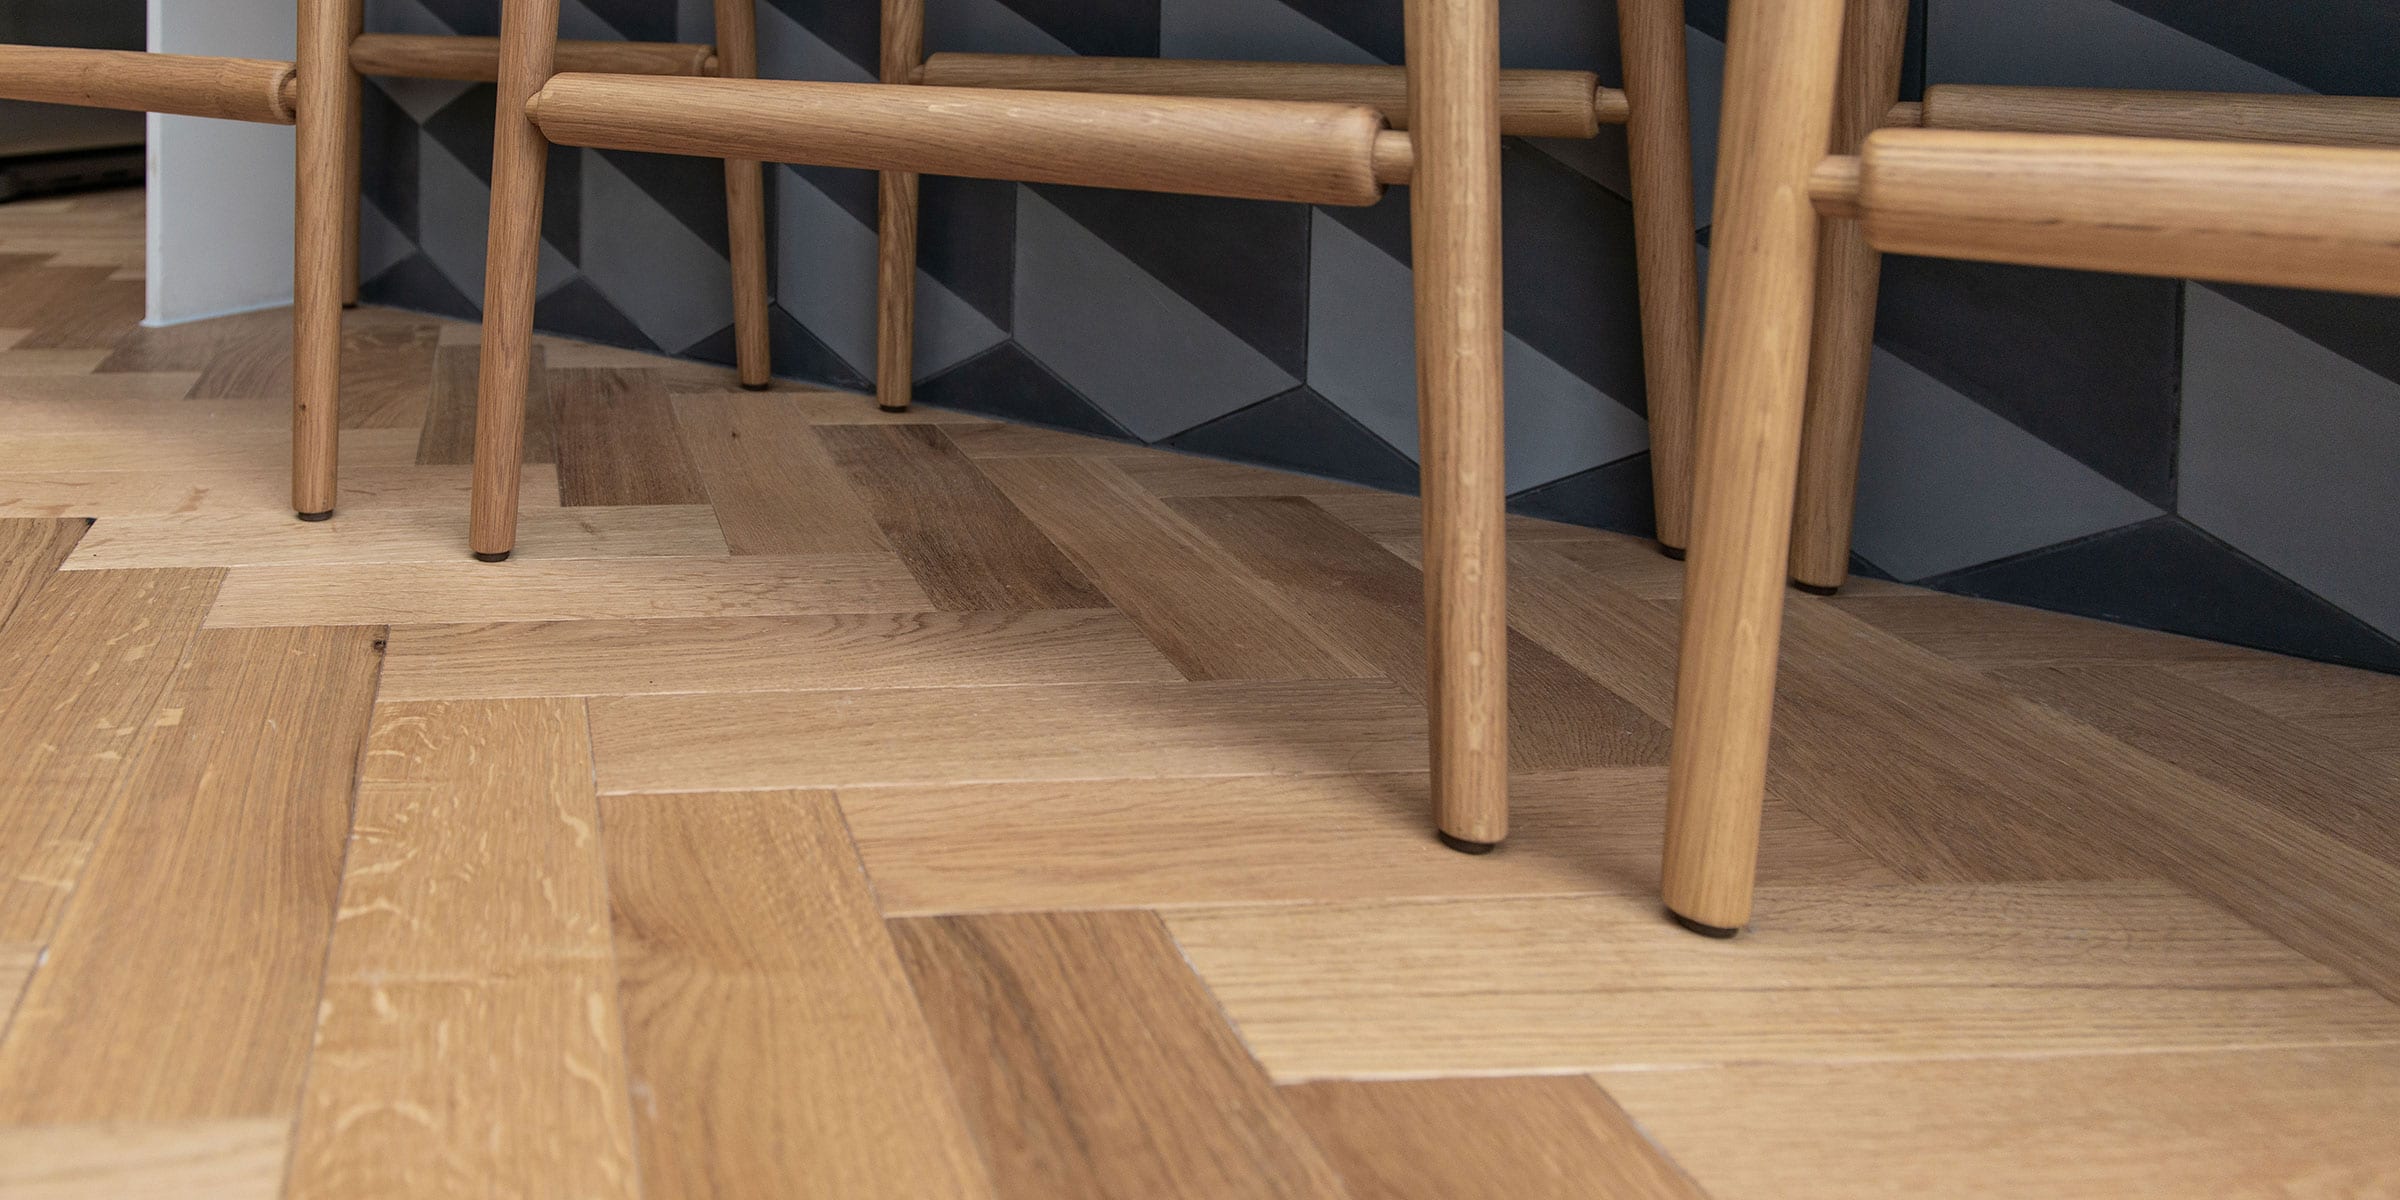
[(2209, 460)]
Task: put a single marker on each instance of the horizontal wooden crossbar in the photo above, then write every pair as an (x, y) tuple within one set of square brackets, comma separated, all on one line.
[(2362, 121), (2286, 216), (231, 89), (1254, 149), (1555, 104), (477, 59)]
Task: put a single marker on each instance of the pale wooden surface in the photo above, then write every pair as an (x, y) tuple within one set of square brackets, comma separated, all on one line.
[(477, 59), (2031, 878), (1658, 138), (228, 89), (2204, 116)]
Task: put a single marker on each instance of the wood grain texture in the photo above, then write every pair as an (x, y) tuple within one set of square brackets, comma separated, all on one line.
[(1825, 974), (182, 983), (1981, 633), (767, 654), (1215, 619), (106, 494), (562, 590), (1370, 603), (1200, 841), (83, 662), (238, 1159), (30, 549), (1091, 1063), (448, 436), (470, 1040), (137, 448), (17, 960), (1658, 136), (2243, 1125), (966, 543), (1061, 732), (770, 1028), (2306, 120), (774, 485), (617, 442), (1554, 1137), (2350, 706), (993, 439), (389, 535)]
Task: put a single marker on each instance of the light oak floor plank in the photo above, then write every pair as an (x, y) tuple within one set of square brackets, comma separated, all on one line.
[(1091, 1063), (107, 494), (775, 485), (768, 654), (617, 442), (182, 982), (772, 1035), (1823, 974), (238, 1159), (999, 735), (48, 403), (2254, 1125), (1169, 842), (30, 549), (1177, 475), (1982, 633), (143, 448), (1212, 617), (1554, 1137), (470, 1042), (428, 535), (2355, 708), (565, 590), (17, 960), (448, 435), (82, 664), (993, 439)]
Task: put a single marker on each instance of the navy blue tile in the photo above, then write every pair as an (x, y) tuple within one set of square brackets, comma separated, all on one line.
[(474, 18), (1243, 262), (414, 283), (853, 190), (464, 128), (1006, 382), (2363, 329), (1612, 496), (1385, 223), (967, 238), (578, 310), (2091, 364), (2344, 47), (852, 27), (797, 353), (1302, 431), (1120, 28), (1708, 16), (693, 189), (1372, 25), (2164, 574), (388, 144), (637, 20)]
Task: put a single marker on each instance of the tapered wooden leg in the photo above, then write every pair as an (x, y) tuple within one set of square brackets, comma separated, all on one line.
[(896, 226), (1782, 59), (352, 113), (745, 206), (1454, 116), (1659, 133), (318, 276), (528, 47), (1849, 273)]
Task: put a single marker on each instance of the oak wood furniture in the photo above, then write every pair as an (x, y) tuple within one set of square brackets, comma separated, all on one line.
[(2277, 214), (1654, 107), (1325, 152)]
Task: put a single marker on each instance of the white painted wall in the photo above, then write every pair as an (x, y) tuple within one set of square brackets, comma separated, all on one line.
[(220, 237)]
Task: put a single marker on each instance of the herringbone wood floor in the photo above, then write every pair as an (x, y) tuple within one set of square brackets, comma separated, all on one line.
[(829, 804)]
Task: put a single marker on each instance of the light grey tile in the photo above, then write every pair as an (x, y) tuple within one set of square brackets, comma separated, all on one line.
[(2078, 43), (579, 23), (420, 98), (405, 16), (381, 244), (673, 285), (787, 50), (825, 278), (696, 20), (1128, 342), (453, 212), (2289, 453), (1249, 29), (984, 27), (1362, 357), (1945, 483)]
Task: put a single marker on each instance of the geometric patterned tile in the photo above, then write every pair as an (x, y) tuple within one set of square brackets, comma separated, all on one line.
[(2080, 43), (1249, 29), (1302, 431), (827, 281)]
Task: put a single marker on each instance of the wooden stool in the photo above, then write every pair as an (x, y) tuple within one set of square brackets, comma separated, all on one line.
[(1850, 270), (1654, 106), (1311, 152), (735, 56), (2280, 215)]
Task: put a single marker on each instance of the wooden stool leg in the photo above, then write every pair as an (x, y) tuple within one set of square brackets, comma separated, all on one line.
[(1658, 94), (520, 157), (896, 228), (1782, 59), (326, 114), (1849, 273), (1454, 117), (353, 85), (745, 206)]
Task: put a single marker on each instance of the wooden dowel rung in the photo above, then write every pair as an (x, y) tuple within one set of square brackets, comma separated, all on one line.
[(229, 89), (1252, 149), (1556, 104), (2357, 121), (2285, 216), (477, 59)]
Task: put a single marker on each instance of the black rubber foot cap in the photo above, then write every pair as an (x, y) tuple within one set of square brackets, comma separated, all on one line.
[(756, 387), (350, 305), (1814, 590), (327, 515), (1707, 931), (888, 408), (480, 556), (1673, 552), (1463, 846)]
